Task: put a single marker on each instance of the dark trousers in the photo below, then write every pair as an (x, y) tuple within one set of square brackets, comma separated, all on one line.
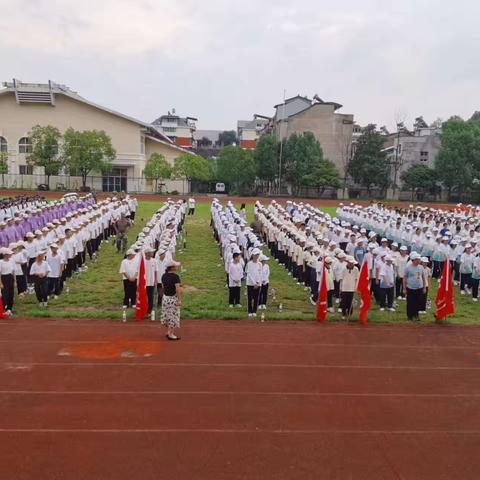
[(465, 280), (252, 296), (336, 288), (159, 294), (41, 288), (150, 295), (30, 263), (329, 298), (129, 292), (7, 291), (414, 302), (262, 298), (399, 287), (21, 283), (54, 285), (346, 301), (191, 211), (386, 297), (437, 268), (475, 283), (234, 295)]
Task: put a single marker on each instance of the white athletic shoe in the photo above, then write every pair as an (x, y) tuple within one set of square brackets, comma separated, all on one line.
[(474, 299), (238, 305), (231, 306), (254, 314), (312, 301), (422, 312), (392, 309), (462, 292), (382, 309)]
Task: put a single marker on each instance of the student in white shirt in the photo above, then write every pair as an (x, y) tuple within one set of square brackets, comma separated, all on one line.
[(20, 259), (235, 276), (150, 276), (129, 272), (262, 300), (191, 206), (56, 262), (254, 282), (39, 271), (387, 282), (7, 275)]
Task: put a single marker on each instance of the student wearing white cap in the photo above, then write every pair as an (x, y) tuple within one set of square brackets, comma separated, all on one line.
[(20, 259), (171, 301), (348, 285), (56, 261), (475, 277), (129, 272), (7, 276), (254, 282), (466, 267), (150, 276), (262, 299), (414, 285), (387, 282), (162, 260), (39, 271), (235, 276), (400, 266)]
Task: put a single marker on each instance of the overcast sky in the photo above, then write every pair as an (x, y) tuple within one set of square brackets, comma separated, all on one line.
[(222, 60)]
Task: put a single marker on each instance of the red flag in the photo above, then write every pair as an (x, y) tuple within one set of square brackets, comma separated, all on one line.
[(444, 301), (363, 288), (2, 310), (322, 296), (141, 304)]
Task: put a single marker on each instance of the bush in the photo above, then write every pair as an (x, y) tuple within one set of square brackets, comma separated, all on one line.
[(174, 192)]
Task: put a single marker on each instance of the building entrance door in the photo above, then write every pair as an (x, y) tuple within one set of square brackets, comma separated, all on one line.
[(115, 181)]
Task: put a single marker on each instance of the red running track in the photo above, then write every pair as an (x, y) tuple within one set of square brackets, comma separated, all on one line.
[(238, 400)]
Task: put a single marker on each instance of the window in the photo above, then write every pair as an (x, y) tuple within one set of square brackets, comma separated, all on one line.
[(169, 129), (3, 144), (399, 149), (142, 144), (424, 156), (25, 169), (24, 145)]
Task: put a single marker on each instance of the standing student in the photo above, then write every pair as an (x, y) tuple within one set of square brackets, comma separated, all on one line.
[(7, 276), (387, 282), (254, 282), (161, 264), (56, 262), (263, 297), (427, 274), (129, 272), (235, 276), (475, 277), (150, 276), (348, 285), (466, 266), (414, 285), (172, 299), (191, 206), (39, 271), (20, 259), (400, 266), (330, 284)]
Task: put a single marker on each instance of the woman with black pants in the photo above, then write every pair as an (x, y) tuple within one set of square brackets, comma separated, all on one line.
[(254, 282), (7, 275), (39, 272), (129, 271)]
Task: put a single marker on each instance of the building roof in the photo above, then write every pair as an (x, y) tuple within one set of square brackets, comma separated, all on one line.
[(46, 92), (182, 121), (288, 100), (212, 135)]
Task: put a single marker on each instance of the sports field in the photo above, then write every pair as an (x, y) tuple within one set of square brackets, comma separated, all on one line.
[(98, 293)]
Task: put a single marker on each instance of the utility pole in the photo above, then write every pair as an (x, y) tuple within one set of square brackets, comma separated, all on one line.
[(281, 146)]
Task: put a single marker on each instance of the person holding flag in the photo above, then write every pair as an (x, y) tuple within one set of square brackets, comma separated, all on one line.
[(322, 295), (445, 300), (363, 287)]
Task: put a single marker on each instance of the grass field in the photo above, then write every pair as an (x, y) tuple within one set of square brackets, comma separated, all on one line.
[(98, 293)]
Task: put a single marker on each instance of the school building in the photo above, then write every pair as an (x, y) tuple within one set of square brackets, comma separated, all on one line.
[(24, 105)]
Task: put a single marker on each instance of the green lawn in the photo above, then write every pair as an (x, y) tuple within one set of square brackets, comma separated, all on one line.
[(98, 293)]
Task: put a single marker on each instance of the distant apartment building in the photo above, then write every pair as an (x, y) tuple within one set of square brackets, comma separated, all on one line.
[(301, 114), (249, 131), (178, 129)]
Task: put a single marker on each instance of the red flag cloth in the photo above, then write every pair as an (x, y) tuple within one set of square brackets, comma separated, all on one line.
[(2, 310), (322, 297), (363, 288), (141, 304), (445, 301)]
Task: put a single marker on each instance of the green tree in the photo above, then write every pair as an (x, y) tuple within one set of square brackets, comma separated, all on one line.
[(475, 118), (236, 167), (458, 161), (267, 158), (87, 151), (192, 167), (325, 175), (227, 137), (157, 168), (418, 178), (45, 150), (3, 165), (302, 156), (369, 166)]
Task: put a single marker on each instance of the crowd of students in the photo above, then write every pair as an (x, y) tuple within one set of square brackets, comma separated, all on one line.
[(44, 244), (157, 243), (403, 249), (243, 260)]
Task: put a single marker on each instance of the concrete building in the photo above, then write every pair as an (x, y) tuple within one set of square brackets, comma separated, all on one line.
[(180, 130), (332, 129), (249, 131), (24, 105)]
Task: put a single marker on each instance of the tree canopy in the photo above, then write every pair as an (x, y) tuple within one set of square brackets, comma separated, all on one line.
[(87, 150), (192, 167), (419, 178), (157, 168), (236, 167), (44, 152), (369, 166), (458, 161), (266, 157), (227, 137)]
